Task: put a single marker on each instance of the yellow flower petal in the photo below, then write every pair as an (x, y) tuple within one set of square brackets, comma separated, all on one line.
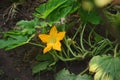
[(44, 38), (48, 48), (53, 31), (52, 40), (57, 46), (60, 35)]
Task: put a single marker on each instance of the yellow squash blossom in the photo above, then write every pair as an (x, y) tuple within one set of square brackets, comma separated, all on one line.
[(52, 39)]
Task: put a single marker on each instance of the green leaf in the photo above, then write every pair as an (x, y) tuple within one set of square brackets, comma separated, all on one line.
[(65, 75), (83, 77), (20, 36), (11, 43), (98, 37), (92, 16), (114, 19), (45, 9), (40, 66), (61, 11), (105, 67), (28, 27), (44, 57)]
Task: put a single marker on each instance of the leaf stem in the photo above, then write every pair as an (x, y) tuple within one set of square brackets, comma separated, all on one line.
[(85, 70), (66, 59), (115, 50), (76, 32), (36, 44), (81, 38), (89, 38)]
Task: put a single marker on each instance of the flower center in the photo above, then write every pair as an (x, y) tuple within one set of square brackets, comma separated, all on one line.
[(53, 40)]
